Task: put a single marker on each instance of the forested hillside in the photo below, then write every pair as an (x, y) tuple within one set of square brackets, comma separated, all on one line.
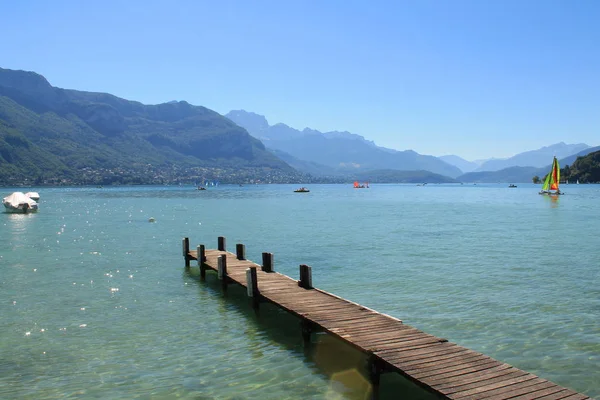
[(50, 135)]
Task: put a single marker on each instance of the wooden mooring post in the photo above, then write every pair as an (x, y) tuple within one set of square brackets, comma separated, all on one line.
[(252, 286), (375, 368), (222, 270), (221, 245), (267, 262), (305, 277), (307, 330), (201, 256), (186, 251), (240, 251)]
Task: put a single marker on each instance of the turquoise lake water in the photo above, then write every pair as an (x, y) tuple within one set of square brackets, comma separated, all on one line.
[(95, 301)]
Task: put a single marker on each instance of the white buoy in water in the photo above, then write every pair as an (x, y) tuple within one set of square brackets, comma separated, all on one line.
[(151, 219)]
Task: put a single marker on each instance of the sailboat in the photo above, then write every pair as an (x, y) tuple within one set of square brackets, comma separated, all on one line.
[(552, 180)]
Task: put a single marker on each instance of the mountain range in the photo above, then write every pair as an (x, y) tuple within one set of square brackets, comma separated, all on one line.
[(344, 153), (52, 135), (534, 158), (524, 174), (340, 152)]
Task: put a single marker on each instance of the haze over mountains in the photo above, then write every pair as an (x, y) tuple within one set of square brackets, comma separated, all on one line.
[(534, 158), (343, 152), (335, 152), (525, 174), (461, 163)]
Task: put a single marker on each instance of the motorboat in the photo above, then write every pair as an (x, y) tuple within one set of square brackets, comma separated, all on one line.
[(19, 203)]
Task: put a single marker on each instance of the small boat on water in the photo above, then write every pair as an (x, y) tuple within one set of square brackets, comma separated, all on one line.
[(512, 185), (19, 203), (200, 188), (359, 186), (301, 190), (552, 180)]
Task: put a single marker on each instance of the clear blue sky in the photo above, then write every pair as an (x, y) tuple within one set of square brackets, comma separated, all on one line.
[(476, 78)]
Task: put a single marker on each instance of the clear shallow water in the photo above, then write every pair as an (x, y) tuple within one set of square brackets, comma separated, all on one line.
[(95, 302)]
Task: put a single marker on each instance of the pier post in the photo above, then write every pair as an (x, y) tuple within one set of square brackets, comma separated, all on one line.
[(240, 251), (221, 243), (201, 256), (307, 330), (375, 369), (267, 263), (305, 277), (186, 250), (222, 270), (252, 285)]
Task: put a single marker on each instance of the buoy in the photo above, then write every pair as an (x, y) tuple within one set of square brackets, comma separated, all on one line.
[(151, 219)]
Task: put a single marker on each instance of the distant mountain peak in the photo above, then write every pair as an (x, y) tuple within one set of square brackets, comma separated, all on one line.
[(248, 115), (256, 124), (347, 135), (23, 79)]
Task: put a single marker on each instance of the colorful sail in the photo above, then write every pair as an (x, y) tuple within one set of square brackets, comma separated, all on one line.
[(553, 177), (546, 185), (356, 184)]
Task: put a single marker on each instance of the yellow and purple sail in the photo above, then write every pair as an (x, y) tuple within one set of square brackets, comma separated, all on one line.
[(552, 179)]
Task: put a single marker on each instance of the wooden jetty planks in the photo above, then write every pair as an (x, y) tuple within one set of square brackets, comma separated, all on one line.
[(445, 368)]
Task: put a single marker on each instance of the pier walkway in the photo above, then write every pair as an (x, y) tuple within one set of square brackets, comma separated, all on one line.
[(442, 367)]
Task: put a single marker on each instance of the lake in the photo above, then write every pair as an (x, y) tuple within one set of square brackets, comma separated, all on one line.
[(96, 303)]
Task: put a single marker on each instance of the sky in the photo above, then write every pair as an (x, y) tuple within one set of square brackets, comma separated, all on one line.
[(474, 78)]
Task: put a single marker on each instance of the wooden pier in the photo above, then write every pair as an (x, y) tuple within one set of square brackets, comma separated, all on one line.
[(442, 367)]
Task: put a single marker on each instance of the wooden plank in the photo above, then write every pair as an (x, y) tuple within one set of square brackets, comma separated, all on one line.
[(463, 359), (314, 302), (436, 357), (493, 388), (319, 303), (473, 382), (577, 396), (563, 394), (367, 333), (382, 351), (370, 320), (387, 344), (555, 392), (460, 369), (377, 332), (399, 344), (523, 388), (459, 376), (403, 344), (412, 346), (335, 318), (319, 307)]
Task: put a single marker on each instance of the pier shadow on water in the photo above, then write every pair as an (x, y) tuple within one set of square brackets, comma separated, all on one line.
[(341, 365)]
